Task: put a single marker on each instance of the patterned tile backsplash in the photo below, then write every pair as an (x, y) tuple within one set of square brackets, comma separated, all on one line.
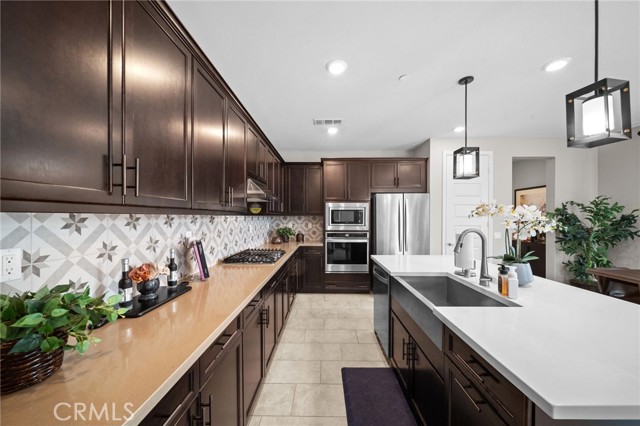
[(86, 249)]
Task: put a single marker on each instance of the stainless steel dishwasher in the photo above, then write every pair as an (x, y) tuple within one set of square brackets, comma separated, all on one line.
[(381, 306)]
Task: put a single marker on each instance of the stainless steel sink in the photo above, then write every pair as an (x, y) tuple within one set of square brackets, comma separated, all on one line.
[(445, 291), (419, 295)]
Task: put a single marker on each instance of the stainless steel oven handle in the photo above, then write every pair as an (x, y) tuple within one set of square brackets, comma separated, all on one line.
[(346, 240)]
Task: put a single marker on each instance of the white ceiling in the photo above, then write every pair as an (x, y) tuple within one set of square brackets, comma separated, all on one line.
[(273, 55)]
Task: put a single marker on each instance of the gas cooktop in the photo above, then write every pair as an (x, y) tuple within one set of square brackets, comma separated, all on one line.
[(255, 256)]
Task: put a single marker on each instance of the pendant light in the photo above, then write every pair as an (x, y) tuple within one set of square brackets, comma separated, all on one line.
[(600, 113), (466, 160)]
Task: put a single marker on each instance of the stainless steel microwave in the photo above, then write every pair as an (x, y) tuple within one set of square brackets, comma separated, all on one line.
[(346, 216)]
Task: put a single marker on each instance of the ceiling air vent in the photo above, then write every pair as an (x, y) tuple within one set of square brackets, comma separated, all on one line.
[(327, 121)]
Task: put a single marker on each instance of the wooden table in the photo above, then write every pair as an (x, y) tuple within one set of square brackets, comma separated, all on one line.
[(629, 277)]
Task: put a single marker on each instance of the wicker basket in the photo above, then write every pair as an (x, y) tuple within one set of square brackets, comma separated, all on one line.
[(24, 369)]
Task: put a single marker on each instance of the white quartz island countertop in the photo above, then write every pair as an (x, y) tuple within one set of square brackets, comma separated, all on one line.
[(574, 353)]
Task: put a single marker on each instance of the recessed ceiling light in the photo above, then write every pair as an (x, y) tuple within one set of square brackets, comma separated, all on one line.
[(458, 129), (556, 64), (332, 130), (337, 66)]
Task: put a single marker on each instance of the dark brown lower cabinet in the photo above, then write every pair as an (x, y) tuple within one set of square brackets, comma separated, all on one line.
[(467, 406), (170, 409), (252, 362), (347, 282), (419, 378), (311, 272), (220, 401), (269, 320), (477, 393)]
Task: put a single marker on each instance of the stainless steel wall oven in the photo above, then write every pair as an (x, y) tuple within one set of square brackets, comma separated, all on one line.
[(347, 252)]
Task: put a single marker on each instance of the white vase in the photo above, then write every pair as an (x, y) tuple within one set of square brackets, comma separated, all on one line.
[(525, 276)]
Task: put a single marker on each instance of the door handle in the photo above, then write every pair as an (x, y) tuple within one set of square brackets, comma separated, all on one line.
[(399, 229), (405, 225), (404, 351)]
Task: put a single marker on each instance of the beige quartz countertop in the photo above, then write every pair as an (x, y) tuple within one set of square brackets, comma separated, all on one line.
[(119, 380)]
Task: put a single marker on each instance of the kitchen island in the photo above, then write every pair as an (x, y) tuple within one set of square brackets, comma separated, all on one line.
[(575, 354), (121, 379)]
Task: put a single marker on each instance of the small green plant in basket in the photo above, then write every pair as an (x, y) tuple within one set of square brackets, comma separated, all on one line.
[(46, 318)]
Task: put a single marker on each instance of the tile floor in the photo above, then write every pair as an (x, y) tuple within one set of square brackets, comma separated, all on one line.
[(324, 333)]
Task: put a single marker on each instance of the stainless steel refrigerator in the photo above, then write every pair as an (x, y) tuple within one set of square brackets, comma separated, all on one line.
[(399, 226)]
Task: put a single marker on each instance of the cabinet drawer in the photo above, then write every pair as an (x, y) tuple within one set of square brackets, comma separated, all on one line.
[(467, 404), (176, 402), (312, 251), (512, 404), (251, 307), (209, 357)]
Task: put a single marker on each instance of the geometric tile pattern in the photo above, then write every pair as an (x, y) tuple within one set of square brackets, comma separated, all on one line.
[(84, 249), (311, 226)]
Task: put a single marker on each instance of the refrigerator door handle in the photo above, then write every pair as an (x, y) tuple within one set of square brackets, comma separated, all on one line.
[(404, 228), (400, 227)]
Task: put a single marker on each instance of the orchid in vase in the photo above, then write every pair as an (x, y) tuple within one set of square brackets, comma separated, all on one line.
[(521, 223)]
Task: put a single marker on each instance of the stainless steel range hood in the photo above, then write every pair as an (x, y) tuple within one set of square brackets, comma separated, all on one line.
[(257, 193)]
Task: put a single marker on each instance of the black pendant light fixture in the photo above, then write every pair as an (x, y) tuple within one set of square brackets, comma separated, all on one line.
[(599, 113), (466, 160)]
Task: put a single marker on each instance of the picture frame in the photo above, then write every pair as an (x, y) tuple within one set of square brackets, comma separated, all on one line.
[(536, 195)]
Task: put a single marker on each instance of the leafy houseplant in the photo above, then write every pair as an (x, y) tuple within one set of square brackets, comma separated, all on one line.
[(35, 328), (285, 233), (587, 231), (32, 318)]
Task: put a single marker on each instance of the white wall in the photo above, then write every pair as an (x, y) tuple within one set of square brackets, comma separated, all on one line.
[(575, 170), (619, 178), (527, 173)]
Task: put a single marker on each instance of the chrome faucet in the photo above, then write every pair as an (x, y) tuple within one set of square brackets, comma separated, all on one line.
[(485, 278)]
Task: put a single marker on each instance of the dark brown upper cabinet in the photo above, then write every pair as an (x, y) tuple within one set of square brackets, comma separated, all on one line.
[(59, 95), (256, 156), (275, 183), (399, 175), (303, 189), (208, 141), (157, 110), (346, 180), (234, 170)]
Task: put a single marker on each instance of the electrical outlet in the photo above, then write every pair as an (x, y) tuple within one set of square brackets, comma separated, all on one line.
[(11, 264)]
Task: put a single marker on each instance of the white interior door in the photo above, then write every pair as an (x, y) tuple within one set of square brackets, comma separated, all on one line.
[(460, 197)]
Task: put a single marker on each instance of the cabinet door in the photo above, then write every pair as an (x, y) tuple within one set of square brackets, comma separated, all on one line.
[(220, 397), (295, 189), (312, 269), (292, 284), (358, 180), (427, 388), (466, 405), (335, 181), (251, 357), (235, 173), (157, 110), (208, 141), (270, 325), (399, 344), (383, 176), (262, 160), (252, 153), (412, 175), (56, 100), (313, 203)]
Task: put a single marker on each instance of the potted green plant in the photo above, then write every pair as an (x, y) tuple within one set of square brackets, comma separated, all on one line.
[(586, 231), (36, 326), (521, 222), (285, 233)]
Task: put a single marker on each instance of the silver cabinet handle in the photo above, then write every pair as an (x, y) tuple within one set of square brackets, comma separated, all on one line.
[(137, 184)]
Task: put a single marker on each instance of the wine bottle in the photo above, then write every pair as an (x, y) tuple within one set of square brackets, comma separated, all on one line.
[(125, 285), (172, 280)]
